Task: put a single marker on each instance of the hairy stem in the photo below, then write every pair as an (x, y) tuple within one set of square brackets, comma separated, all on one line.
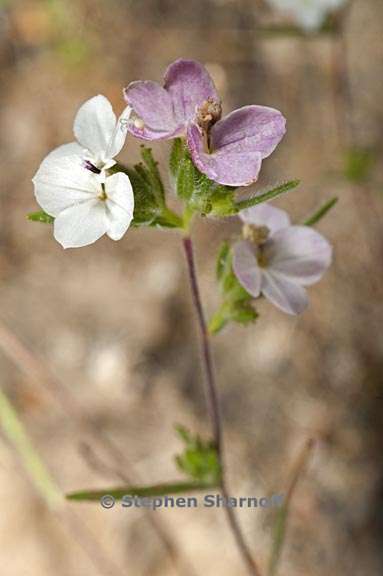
[(213, 405)]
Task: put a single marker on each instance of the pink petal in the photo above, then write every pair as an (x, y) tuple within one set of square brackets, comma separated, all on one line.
[(246, 269), (234, 168), (300, 254), (239, 142), (258, 129), (288, 296), (189, 85), (266, 215), (154, 106)]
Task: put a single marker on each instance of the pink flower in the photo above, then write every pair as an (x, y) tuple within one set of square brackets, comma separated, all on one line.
[(277, 259), (228, 150)]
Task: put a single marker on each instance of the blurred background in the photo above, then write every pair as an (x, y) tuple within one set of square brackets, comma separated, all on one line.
[(98, 347)]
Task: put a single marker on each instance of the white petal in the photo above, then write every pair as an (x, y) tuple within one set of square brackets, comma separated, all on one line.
[(286, 295), (266, 215), (62, 181), (94, 125), (119, 135), (82, 224), (120, 204), (71, 149), (246, 269), (299, 253)]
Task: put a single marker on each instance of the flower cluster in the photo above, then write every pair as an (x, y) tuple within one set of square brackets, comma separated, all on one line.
[(87, 194)]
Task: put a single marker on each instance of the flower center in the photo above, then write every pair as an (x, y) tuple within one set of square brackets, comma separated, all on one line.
[(255, 234), (103, 196), (207, 115), (261, 258), (89, 166)]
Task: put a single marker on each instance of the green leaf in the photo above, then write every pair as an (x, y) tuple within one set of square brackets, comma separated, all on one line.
[(219, 319), (321, 212), (243, 312), (358, 164), (199, 460), (265, 196), (142, 491), (40, 216)]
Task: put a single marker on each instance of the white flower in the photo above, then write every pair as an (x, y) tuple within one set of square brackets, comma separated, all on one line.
[(310, 14), (85, 205), (277, 259), (72, 185)]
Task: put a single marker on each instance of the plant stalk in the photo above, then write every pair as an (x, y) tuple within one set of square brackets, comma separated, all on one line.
[(213, 405)]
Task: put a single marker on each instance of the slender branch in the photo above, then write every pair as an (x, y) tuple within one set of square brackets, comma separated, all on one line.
[(213, 405)]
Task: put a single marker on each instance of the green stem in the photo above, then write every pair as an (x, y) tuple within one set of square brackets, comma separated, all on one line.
[(14, 429), (172, 217), (214, 407)]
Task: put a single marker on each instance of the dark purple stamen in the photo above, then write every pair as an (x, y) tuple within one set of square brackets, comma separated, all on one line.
[(89, 166)]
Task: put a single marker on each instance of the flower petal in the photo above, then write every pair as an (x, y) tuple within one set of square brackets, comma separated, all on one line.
[(238, 167), (61, 181), (265, 215), (154, 106), (299, 253), (246, 269), (286, 295), (256, 129), (189, 85), (81, 224), (120, 204), (118, 138), (71, 149), (94, 125)]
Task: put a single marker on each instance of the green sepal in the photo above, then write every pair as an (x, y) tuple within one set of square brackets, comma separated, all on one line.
[(40, 216), (177, 153), (149, 197)]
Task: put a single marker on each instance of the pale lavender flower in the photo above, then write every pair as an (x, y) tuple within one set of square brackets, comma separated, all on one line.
[(277, 259), (229, 151)]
